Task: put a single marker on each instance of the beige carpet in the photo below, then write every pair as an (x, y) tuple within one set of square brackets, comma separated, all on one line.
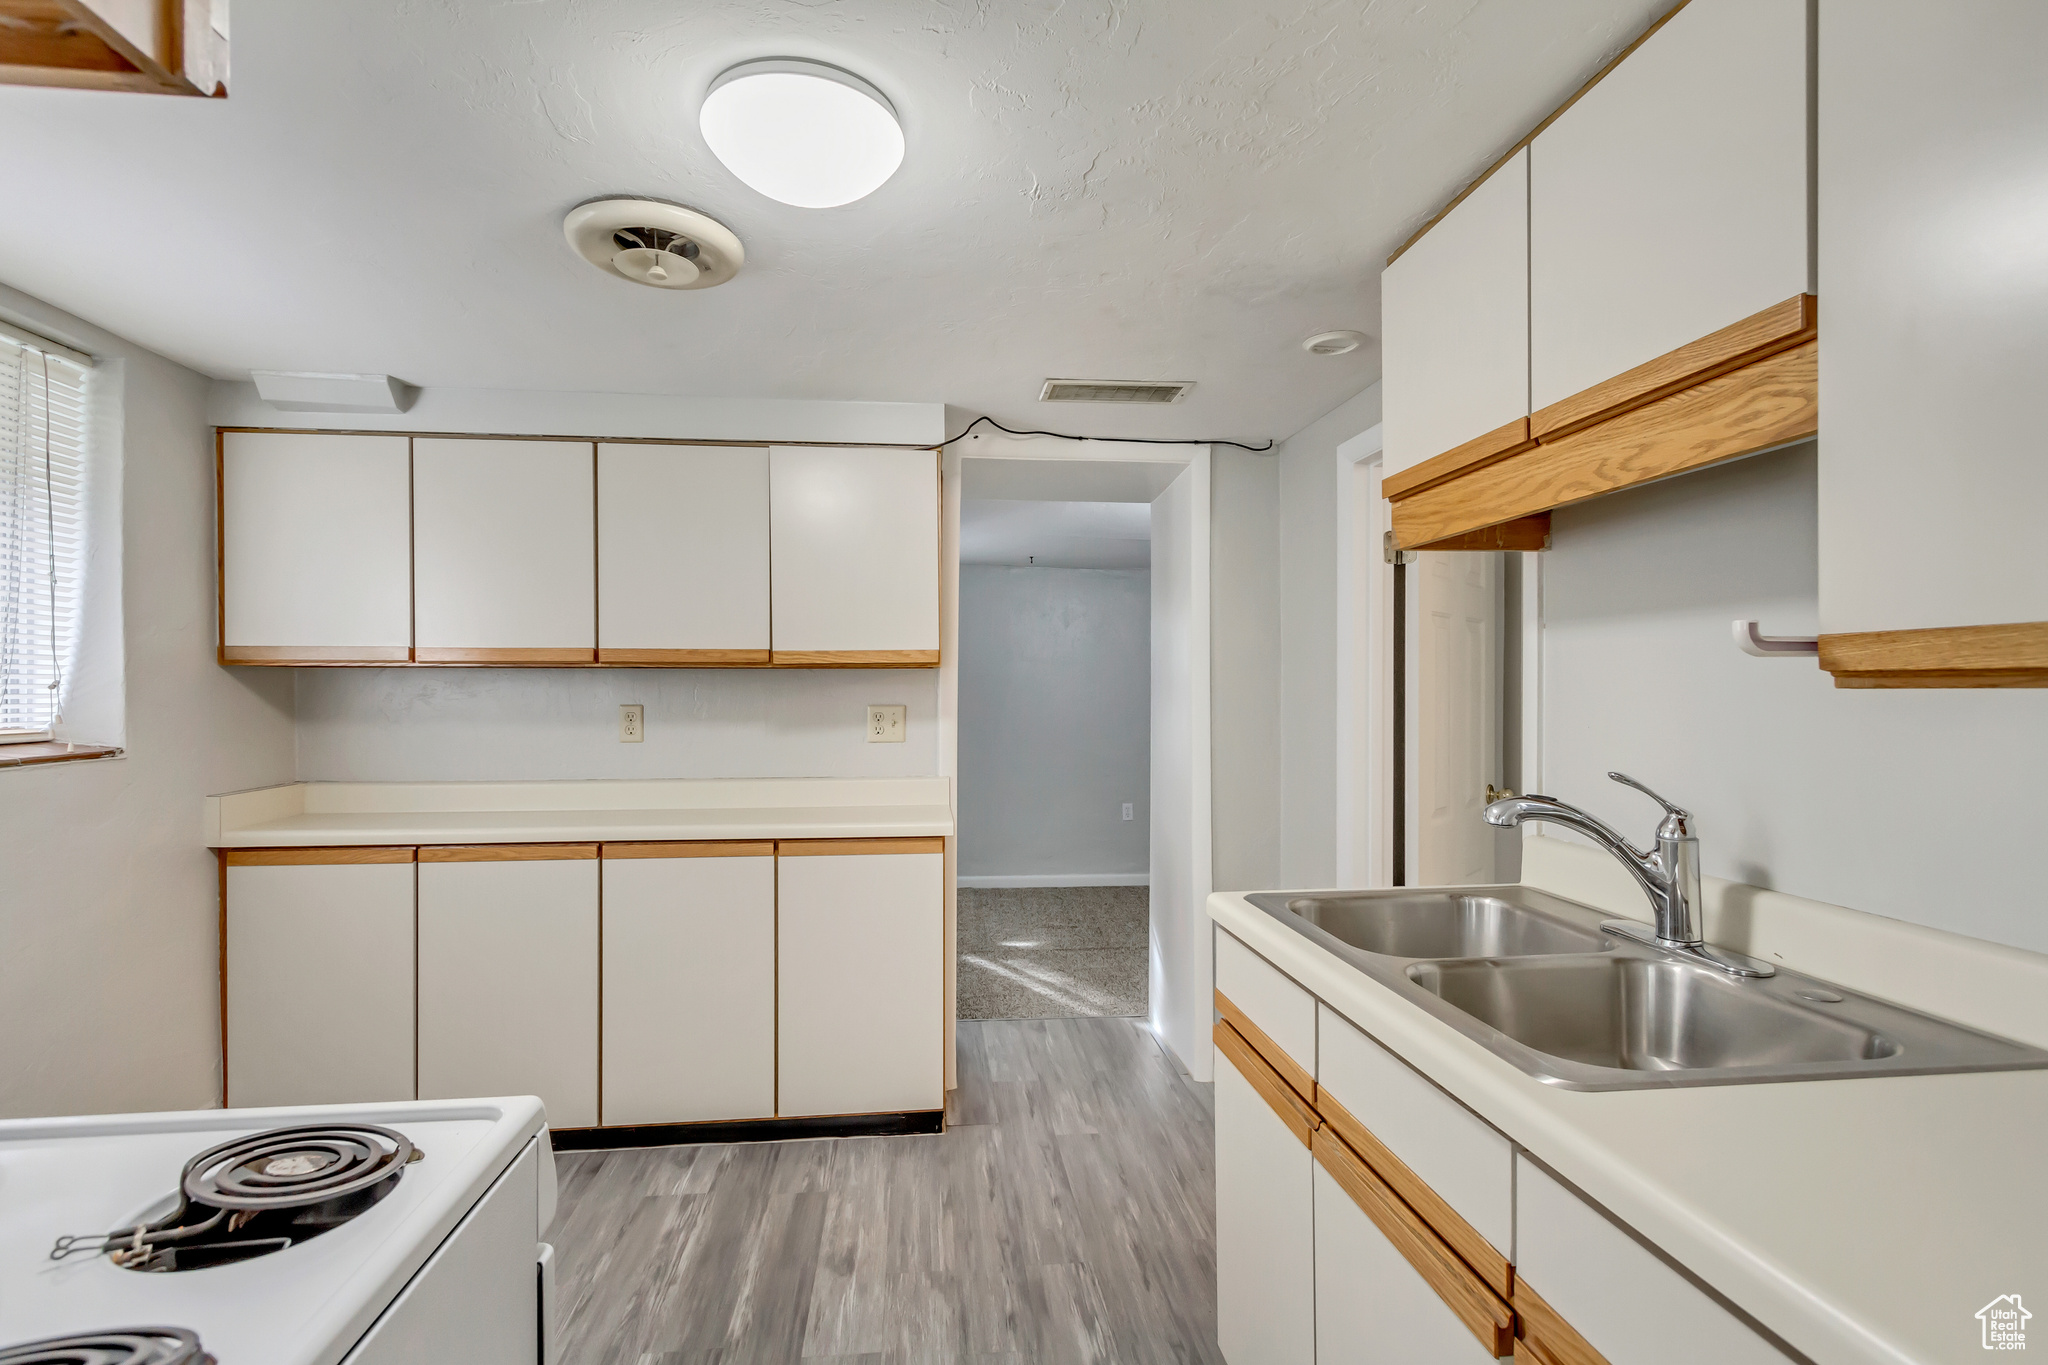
[(1064, 952)]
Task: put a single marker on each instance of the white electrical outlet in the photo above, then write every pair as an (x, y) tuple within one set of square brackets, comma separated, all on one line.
[(632, 723), (1127, 810), (885, 724)]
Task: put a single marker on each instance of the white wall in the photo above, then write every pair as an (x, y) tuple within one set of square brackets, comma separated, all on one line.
[(1055, 722), (109, 985), (1919, 805), (1244, 670)]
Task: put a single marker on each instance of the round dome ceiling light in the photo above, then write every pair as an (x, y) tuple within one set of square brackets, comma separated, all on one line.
[(1334, 343), (665, 246), (802, 132)]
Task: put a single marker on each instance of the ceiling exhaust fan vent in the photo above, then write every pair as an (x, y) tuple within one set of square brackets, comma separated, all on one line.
[(1112, 391), (665, 246)]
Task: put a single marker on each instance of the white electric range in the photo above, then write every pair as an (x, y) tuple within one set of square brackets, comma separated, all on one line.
[(336, 1243)]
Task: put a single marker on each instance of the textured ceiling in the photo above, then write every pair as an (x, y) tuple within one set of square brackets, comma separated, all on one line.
[(1169, 189)]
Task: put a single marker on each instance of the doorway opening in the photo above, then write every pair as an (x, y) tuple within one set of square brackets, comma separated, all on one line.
[(1054, 854)]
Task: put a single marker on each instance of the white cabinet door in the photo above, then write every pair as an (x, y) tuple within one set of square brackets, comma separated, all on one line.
[(689, 982), (1623, 1298), (504, 551), (1371, 1306), (1265, 1230), (316, 548), (1269, 998), (319, 976), (508, 976), (682, 554), (1672, 199), (860, 978), (1933, 155), (856, 555), (1454, 319)]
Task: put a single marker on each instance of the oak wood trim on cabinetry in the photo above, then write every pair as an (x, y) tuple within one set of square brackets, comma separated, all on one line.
[(684, 658), (2009, 655), (506, 853), (1488, 1263), (1545, 1337), (695, 848), (1523, 533), (516, 658), (64, 43), (802, 848), (1777, 328), (855, 658), (1477, 453), (35, 753), (288, 656), (1294, 1073), (1292, 1109), (1482, 1311), (1554, 116), (312, 857), (1769, 403)]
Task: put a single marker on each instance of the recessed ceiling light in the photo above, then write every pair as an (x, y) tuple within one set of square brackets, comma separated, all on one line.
[(1334, 343), (802, 133)]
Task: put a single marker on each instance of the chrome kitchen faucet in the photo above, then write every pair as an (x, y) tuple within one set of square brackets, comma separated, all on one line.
[(1670, 876)]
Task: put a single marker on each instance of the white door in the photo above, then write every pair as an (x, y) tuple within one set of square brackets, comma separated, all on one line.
[(1454, 709), (689, 982), (504, 551), (316, 548), (319, 975), (860, 977), (1265, 1230), (508, 976), (856, 555), (682, 554)]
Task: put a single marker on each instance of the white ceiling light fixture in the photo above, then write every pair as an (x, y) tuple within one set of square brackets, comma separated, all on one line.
[(649, 242), (1334, 343), (801, 132)]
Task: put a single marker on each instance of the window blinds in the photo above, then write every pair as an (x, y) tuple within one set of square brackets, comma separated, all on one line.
[(42, 532)]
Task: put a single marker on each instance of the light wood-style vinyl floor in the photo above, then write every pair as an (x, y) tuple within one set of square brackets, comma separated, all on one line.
[(1067, 1215)]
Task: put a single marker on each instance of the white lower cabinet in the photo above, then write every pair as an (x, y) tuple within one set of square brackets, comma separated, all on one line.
[(689, 982), (1265, 1230), (319, 975), (508, 988), (860, 977), (1371, 1306)]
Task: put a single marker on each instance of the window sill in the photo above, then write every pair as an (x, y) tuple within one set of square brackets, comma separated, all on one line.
[(52, 751)]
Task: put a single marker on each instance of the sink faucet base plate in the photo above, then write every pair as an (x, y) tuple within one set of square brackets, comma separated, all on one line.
[(1735, 964)]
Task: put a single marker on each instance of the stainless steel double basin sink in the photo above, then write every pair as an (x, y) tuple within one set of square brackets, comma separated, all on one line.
[(1531, 977)]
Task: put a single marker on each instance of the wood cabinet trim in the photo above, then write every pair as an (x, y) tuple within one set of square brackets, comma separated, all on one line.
[(1271, 1053), (313, 857), (684, 658), (506, 853), (1555, 1341), (1484, 1259), (516, 658), (1483, 1312), (706, 848), (286, 656), (1771, 402), (1777, 328), (1294, 1111), (806, 848), (855, 658), (2014, 654), (1523, 533), (1476, 453)]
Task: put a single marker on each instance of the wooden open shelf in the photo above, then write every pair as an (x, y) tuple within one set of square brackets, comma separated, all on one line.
[(2012, 655)]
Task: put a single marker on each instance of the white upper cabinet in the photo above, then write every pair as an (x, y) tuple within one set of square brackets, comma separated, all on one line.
[(1934, 239), (682, 546), (504, 551), (1454, 319), (856, 555), (316, 548), (1672, 200)]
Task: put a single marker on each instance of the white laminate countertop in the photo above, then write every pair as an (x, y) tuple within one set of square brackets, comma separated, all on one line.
[(1861, 1220), (326, 814)]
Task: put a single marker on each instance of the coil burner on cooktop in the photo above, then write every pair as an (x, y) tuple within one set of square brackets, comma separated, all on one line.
[(249, 1197), (120, 1346)]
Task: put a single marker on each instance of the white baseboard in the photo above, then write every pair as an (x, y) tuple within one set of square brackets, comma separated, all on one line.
[(1060, 879)]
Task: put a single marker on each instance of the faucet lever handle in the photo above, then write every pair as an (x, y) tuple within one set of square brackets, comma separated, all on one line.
[(1669, 809)]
